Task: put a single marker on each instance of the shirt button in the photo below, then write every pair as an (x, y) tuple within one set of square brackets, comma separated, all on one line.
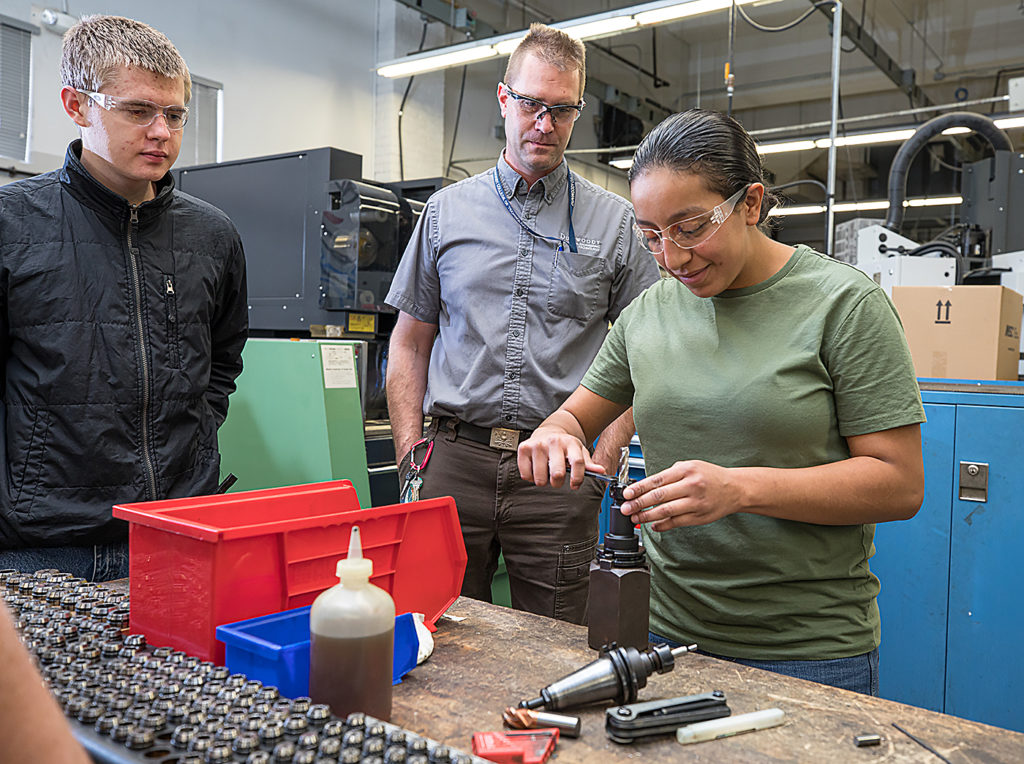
[(515, 332), (519, 293), (508, 417)]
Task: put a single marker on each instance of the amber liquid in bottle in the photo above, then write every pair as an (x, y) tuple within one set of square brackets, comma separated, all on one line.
[(353, 674)]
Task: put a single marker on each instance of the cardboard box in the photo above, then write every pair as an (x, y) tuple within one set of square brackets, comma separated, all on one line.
[(962, 332)]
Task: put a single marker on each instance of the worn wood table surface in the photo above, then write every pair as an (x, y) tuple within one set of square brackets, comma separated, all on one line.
[(494, 657)]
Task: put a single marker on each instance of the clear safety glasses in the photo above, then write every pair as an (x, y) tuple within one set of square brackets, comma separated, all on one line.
[(535, 110), (692, 232), (140, 112)]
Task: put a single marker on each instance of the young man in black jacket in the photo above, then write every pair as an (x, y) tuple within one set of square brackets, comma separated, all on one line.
[(122, 313)]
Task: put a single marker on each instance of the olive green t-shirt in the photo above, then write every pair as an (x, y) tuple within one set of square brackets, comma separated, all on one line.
[(773, 375)]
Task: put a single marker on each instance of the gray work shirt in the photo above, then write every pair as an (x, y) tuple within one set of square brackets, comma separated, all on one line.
[(518, 322)]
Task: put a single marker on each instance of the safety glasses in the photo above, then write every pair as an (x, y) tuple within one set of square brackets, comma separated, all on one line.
[(535, 110), (692, 232), (140, 112)]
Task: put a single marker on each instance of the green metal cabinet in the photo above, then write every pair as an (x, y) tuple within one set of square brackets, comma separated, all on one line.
[(296, 416)]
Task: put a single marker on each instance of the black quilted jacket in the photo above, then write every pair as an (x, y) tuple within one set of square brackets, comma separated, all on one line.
[(121, 332)]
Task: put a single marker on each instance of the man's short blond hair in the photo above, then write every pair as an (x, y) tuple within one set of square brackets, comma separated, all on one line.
[(96, 46), (553, 47)]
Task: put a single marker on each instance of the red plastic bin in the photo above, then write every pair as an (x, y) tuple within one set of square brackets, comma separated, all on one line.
[(200, 562)]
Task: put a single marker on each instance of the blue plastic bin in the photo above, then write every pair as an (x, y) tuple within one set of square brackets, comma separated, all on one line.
[(275, 649)]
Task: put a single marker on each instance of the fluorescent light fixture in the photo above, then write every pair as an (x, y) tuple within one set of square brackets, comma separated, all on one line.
[(881, 204), (935, 201), (601, 28), (505, 47), (779, 148), (809, 209), (877, 204), (419, 64), (677, 11), (887, 136), (583, 28), (763, 148), (864, 139)]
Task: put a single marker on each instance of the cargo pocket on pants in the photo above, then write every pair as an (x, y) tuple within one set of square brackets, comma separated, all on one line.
[(571, 580)]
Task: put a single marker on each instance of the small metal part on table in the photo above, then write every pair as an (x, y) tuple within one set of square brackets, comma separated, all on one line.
[(524, 718), (862, 741)]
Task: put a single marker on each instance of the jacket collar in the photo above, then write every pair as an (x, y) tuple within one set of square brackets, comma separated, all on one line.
[(90, 192), (550, 184)]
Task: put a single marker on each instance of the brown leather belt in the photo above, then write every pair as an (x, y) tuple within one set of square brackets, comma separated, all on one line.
[(501, 438)]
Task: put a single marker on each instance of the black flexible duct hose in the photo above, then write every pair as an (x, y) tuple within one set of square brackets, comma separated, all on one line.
[(901, 162)]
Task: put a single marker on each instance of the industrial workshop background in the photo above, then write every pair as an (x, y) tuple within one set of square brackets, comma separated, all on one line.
[(308, 115)]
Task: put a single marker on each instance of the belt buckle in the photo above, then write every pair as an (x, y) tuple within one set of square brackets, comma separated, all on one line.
[(504, 439)]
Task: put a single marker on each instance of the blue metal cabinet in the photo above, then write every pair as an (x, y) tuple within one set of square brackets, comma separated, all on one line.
[(951, 577), (984, 669), (912, 562)]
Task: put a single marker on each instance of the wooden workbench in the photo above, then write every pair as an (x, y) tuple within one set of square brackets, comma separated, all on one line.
[(494, 657)]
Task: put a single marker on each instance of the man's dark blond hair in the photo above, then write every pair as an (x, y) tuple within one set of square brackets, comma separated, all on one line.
[(553, 47), (96, 46)]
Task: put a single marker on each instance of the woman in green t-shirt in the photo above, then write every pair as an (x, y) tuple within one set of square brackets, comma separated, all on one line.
[(775, 398)]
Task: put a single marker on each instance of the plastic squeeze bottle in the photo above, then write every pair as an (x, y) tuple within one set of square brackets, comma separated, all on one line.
[(352, 637)]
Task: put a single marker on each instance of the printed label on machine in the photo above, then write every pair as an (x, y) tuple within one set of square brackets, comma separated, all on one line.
[(339, 366)]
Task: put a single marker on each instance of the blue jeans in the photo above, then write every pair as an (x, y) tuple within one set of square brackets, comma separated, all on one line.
[(102, 562), (858, 672)]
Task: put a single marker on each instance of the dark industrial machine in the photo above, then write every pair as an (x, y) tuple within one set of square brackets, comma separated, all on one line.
[(620, 578), (321, 246), (364, 230), (616, 676)]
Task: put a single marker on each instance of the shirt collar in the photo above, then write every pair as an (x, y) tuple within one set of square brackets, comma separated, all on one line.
[(551, 184)]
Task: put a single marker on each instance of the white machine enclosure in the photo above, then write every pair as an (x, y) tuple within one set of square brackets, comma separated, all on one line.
[(879, 254)]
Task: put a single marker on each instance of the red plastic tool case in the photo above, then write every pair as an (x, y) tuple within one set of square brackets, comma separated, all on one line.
[(200, 562)]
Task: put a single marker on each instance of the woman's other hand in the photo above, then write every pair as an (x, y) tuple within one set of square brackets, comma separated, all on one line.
[(687, 493)]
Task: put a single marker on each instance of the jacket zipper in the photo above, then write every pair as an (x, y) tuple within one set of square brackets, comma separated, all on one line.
[(134, 258), (171, 309)]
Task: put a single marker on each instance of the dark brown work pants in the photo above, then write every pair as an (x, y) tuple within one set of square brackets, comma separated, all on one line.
[(547, 535)]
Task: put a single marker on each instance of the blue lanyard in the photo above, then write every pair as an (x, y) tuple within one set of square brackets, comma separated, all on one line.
[(522, 223)]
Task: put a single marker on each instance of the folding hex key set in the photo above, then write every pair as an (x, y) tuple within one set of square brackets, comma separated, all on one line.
[(127, 701)]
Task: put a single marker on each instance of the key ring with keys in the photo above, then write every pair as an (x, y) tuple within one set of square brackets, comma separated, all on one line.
[(413, 481)]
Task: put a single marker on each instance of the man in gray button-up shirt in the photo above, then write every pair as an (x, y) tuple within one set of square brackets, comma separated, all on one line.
[(505, 291)]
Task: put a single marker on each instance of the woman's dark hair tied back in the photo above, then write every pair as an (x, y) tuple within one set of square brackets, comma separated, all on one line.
[(709, 144)]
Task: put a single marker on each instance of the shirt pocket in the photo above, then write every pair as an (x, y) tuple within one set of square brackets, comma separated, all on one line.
[(171, 313), (575, 286)]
